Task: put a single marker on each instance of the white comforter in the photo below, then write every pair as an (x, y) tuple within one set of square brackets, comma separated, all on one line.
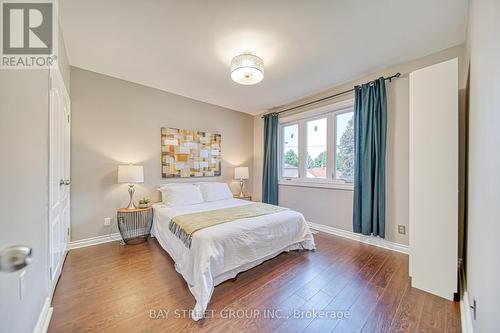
[(220, 252)]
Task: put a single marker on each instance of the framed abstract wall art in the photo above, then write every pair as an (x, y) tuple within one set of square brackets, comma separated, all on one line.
[(188, 153)]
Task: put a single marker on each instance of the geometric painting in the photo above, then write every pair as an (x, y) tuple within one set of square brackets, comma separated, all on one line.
[(187, 153)]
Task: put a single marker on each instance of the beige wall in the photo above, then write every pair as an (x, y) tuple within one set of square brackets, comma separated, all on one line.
[(116, 122), (334, 207), (483, 247)]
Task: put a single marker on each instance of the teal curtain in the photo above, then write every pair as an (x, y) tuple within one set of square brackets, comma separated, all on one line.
[(370, 127), (270, 173)]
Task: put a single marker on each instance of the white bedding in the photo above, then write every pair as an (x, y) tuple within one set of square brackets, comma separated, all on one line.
[(220, 252)]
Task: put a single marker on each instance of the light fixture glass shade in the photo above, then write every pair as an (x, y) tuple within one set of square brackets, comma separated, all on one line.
[(247, 69), (241, 173), (131, 174)]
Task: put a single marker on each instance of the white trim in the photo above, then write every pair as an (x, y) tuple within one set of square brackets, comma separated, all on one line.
[(94, 241), (465, 313), (465, 316), (42, 324), (323, 183), (376, 241)]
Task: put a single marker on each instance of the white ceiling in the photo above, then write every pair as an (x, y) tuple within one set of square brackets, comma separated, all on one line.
[(185, 47)]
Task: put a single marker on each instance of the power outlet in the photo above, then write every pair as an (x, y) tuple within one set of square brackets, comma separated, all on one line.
[(107, 221), (401, 229), (22, 284)]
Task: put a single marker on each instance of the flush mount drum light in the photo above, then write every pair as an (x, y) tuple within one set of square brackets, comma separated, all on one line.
[(247, 69)]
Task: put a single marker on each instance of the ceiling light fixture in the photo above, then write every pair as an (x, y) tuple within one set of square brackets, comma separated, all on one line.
[(247, 69)]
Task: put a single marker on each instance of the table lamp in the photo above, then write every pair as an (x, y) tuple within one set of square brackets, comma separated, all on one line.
[(241, 173), (130, 174)]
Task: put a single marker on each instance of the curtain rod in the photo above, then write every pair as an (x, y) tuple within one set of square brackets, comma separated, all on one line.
[(395, 76)]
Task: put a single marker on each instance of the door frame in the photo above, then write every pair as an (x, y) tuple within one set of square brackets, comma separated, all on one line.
[(56, 76)]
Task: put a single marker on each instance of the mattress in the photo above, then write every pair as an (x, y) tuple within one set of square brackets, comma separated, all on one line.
[(220, 252)]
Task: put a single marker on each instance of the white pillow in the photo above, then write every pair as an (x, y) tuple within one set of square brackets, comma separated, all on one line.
[(164, 186), (181, 194), (215, 191)]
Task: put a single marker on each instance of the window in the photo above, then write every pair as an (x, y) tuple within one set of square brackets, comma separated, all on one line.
[(344, 147), (290, 164), (317, 148), (316, 153)]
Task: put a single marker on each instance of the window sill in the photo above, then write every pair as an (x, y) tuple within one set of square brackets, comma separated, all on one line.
[(316, 184)]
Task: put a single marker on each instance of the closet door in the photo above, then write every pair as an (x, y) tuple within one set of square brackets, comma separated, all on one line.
[(59, 174), (434, 178)]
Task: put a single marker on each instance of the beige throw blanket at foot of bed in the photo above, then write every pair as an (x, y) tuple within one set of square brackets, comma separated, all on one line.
[(183, 226)]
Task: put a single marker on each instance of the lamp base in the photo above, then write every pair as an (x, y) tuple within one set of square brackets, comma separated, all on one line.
[(241, 195), (131, 191)]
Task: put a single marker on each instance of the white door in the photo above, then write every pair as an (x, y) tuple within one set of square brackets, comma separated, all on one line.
[(59, 174)]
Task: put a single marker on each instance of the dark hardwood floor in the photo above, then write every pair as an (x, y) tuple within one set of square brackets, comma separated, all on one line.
[(344, 286)]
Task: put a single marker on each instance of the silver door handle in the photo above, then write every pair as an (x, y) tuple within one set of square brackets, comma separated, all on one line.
[(15, 258)]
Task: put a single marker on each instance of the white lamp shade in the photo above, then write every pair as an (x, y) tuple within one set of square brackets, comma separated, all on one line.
[(241, 173), (130, 174)]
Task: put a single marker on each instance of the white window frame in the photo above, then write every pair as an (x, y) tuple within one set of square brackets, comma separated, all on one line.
[(329, 111), (328, 148)]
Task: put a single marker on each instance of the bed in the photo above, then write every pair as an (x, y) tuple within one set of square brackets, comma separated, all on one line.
[(218, 253)]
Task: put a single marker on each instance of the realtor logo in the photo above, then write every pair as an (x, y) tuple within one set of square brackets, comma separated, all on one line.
[(28, 32)]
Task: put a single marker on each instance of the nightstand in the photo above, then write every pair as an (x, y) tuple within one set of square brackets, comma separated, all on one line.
[(134, 224), (245, 197)]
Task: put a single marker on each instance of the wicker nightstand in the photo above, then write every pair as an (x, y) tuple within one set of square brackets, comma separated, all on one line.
[(134, 224), (245, 197)]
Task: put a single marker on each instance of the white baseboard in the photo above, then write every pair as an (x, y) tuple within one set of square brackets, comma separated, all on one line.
[(42, 324), (380, 242), (465, 313), (376, 241), (94, 241)]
